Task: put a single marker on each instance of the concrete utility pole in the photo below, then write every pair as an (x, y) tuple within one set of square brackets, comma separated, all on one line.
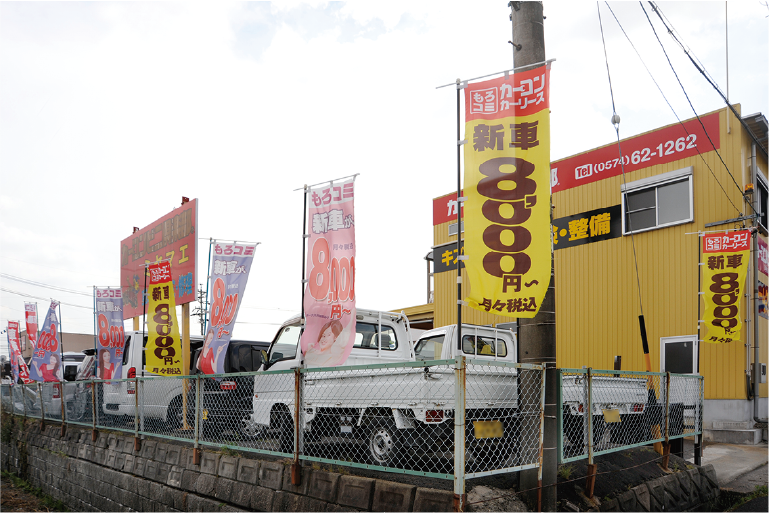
[(536, 343)]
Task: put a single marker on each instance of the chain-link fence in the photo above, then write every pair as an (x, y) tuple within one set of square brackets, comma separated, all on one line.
[(603, 411), (396, 417)]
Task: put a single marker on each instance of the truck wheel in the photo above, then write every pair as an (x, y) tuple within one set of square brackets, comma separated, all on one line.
[(286, 435), (573, 429), (174, 414), (383, 442), (248, 429)]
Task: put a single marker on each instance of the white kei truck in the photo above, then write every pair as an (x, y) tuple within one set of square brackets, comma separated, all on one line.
[(395, 413)]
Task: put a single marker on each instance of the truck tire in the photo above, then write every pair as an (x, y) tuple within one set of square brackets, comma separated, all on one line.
[(174, 414), (573, 430), (630, 430), (383, 442), (286, 434)]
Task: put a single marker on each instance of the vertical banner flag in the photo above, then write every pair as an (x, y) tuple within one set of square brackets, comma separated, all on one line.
[(30, 316), (18, 366), (725, 267), (164, 346), (507, 186), (111, 337), (230, 267), (46, 360), (329, 299)]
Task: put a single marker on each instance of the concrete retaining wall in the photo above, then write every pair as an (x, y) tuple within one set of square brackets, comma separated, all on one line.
[(108, 475)]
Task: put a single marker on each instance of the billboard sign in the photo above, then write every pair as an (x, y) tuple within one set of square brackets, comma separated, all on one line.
[(173, 237)]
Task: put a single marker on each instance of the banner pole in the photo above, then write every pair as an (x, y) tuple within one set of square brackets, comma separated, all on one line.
[(304, 250), (95, 335), (144, 315), (208, 279), (459, 222)]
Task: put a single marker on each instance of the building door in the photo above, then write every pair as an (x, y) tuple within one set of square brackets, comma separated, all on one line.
[(678, 355)]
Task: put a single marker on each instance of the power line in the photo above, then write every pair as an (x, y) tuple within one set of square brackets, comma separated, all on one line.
[(671, 107), (38, 284), (690, 102), (701, 68), (44, 298), (615, 122)]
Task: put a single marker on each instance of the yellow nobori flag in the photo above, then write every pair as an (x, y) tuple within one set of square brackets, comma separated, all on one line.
[(507, 186), (725, 259), (164, 348)]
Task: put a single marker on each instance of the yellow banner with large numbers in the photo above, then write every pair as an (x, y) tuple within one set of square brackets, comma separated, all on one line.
[(507, 189), (164, 348), (725, 259)]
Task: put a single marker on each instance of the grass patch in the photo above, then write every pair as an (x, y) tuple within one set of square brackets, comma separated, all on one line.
[(760, 491), (48, 501), (564, 472)]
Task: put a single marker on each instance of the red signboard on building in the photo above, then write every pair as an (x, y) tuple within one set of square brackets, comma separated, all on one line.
[(658, 147), (173, 237)]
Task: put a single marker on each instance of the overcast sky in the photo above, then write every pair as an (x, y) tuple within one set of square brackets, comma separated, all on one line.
[(111, 112)]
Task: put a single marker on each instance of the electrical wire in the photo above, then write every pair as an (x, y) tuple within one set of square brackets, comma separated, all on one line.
[(621, 160), (690, 102), (671, 107), (38, 284), (44, 298)]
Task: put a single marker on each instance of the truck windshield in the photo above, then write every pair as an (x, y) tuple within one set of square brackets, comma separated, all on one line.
[(285, 344), (429, 348)]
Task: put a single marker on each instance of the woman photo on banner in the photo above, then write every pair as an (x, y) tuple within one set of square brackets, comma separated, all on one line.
[(106, 369), (331, 348), (208, 355), (50, 371)]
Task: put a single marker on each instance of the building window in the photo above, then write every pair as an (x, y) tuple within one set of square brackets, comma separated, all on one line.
[(678, 355), (453, 228), (762, 189), (658, 201)]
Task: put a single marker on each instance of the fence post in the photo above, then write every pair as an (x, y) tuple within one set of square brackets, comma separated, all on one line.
[(196, 446), (137, 440), (42, 406), (459, 434), (541, 438), (296, 469), (666, 446), (559, 413), (698, 424), (94, 410), (591, 467), (62, 395)]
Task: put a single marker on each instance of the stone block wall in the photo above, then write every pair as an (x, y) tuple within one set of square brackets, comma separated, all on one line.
[(108, 475)]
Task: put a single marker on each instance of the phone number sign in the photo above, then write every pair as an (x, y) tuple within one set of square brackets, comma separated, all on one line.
[(658, 147)]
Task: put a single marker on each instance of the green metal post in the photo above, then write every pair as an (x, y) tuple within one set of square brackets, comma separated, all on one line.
[(459, 434), (559, 414)]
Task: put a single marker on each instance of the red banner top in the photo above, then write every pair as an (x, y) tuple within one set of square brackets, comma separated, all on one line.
[(520, 94), (726, 242), (160, 273)]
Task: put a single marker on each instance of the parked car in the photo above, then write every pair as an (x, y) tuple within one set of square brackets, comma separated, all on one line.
[(227, 401)]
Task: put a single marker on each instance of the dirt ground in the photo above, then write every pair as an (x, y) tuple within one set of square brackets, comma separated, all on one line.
[(16, 499)]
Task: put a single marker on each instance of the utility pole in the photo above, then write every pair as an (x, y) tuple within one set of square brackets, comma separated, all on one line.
[(536, 342), (200, 311)]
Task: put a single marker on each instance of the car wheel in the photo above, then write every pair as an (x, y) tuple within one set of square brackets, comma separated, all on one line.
[(248, 429)]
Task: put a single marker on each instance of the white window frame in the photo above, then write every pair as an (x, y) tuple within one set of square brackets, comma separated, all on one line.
[(762, 182), (655, 182), (685, 338)]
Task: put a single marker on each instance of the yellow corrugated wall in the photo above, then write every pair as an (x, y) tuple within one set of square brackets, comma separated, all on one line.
[(597, 288)]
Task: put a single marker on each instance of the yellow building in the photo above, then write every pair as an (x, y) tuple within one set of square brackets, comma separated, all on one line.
[(674, 187)]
